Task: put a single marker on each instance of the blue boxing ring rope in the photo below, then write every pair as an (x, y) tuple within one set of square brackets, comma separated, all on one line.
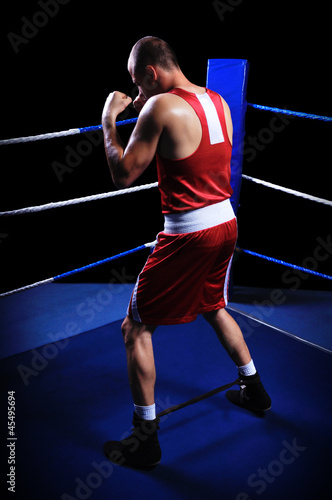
[(298, 114), (64, 133), (80, 269), (151, 245), (283, 263), (93, 128)]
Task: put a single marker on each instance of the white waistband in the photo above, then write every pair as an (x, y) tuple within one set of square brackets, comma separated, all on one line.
[(200, 219)]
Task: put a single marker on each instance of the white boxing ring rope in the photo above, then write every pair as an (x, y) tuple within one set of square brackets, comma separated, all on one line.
[(34, 209), (135, 189)]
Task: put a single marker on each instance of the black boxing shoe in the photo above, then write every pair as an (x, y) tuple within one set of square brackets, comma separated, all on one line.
[(141, 449), (251, 396)]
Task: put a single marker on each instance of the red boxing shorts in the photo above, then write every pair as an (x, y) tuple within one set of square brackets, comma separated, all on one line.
[(188, 272)]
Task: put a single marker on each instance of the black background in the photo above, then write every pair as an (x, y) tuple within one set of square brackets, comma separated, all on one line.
[(59, 79)]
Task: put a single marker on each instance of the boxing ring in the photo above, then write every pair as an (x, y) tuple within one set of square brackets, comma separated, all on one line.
[(62, 354)]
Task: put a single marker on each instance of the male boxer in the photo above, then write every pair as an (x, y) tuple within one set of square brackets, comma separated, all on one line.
[(189, 129)]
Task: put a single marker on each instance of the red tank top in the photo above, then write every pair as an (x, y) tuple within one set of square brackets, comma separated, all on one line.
[(203, 178)]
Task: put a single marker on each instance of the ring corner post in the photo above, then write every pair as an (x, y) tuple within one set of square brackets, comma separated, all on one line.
[(229, 77)]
